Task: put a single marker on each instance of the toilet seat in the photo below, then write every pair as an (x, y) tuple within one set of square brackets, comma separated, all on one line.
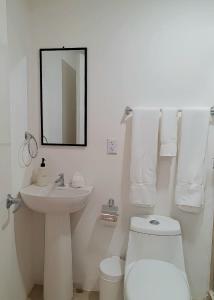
[(154, 279)]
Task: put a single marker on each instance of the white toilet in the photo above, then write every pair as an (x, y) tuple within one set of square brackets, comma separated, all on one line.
[(155, 267)]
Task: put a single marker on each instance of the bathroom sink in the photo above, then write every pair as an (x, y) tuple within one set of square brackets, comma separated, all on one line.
[(57, 203), (52, 199)]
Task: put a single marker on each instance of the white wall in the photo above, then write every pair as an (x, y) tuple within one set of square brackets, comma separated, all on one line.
[(5, 170), (13, 106), (139, 53), (4, 113)]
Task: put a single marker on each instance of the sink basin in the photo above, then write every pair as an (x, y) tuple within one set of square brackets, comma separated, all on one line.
[(57, 203), (52, 199)]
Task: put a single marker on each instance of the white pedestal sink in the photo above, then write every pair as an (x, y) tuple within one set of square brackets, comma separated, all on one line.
[(57, 203)]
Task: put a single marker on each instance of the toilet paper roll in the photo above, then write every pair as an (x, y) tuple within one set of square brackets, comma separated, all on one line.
[(108, 219)]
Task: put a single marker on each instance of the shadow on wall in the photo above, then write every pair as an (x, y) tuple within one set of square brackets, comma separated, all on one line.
[(86, 244), (23, 246), (21, 175)]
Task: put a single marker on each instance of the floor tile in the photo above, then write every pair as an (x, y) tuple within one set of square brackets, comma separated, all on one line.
[(86, 296), (37, 294)]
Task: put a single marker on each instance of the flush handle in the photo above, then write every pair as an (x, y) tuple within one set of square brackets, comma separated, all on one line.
[(154, 222)]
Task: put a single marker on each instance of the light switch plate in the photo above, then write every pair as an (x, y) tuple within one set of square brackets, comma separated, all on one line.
[(111, 146)]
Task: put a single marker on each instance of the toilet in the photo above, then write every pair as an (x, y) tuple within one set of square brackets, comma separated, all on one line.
[(155, 266)]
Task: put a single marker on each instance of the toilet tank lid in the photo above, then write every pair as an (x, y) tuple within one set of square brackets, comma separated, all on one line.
[(155, 225)]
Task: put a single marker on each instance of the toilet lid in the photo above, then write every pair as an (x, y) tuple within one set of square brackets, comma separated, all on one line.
[(154, 279)]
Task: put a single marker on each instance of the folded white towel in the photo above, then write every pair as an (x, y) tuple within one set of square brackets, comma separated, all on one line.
[(168, 132), (190, 182), (145, 125)]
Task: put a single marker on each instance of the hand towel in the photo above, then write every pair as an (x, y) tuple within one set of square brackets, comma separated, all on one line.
[(145, 126), (190, 182), (168, 132)]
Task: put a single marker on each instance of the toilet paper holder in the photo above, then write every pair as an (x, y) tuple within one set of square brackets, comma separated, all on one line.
[(109, 212)]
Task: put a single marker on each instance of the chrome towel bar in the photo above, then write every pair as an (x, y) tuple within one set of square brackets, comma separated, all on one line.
[(128, 110)]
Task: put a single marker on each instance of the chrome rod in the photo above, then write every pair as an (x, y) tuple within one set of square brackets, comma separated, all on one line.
[(17, 202), (129, 110)]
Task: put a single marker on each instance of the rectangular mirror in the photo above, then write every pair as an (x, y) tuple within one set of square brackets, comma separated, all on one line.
[(63, 79)]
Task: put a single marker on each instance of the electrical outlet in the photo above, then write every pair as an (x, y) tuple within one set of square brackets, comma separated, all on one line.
[(111, 146)]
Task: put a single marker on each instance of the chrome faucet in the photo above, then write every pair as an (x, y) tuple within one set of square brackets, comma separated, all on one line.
[(60, 181)]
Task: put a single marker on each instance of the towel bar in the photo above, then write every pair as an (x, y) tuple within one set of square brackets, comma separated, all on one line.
[(128, 110)]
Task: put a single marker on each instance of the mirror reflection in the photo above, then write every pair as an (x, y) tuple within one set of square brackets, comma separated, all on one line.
[(63, 96)]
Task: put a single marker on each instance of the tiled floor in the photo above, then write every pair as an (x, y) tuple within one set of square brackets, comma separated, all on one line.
[(37, 294), (86, 296)]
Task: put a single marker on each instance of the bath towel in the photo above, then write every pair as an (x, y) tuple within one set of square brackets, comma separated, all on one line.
[(145, 126), (168, 132), (191, 172)]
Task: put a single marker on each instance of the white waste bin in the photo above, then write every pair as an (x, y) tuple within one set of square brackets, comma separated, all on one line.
[(111, 278)]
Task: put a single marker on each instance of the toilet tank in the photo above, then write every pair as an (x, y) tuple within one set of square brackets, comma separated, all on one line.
[(155, 237)]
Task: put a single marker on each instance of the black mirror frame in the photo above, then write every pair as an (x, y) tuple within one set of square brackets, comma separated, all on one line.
[(41, 97)]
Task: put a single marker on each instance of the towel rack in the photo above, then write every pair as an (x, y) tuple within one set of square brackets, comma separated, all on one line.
[(128, 110)]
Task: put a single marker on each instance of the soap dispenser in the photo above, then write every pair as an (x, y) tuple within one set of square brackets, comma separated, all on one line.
[(42, 177)]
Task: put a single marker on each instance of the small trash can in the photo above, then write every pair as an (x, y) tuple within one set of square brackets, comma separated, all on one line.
[(111, 278)]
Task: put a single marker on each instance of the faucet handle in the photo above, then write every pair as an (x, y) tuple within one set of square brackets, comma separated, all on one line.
[(60, 181)]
